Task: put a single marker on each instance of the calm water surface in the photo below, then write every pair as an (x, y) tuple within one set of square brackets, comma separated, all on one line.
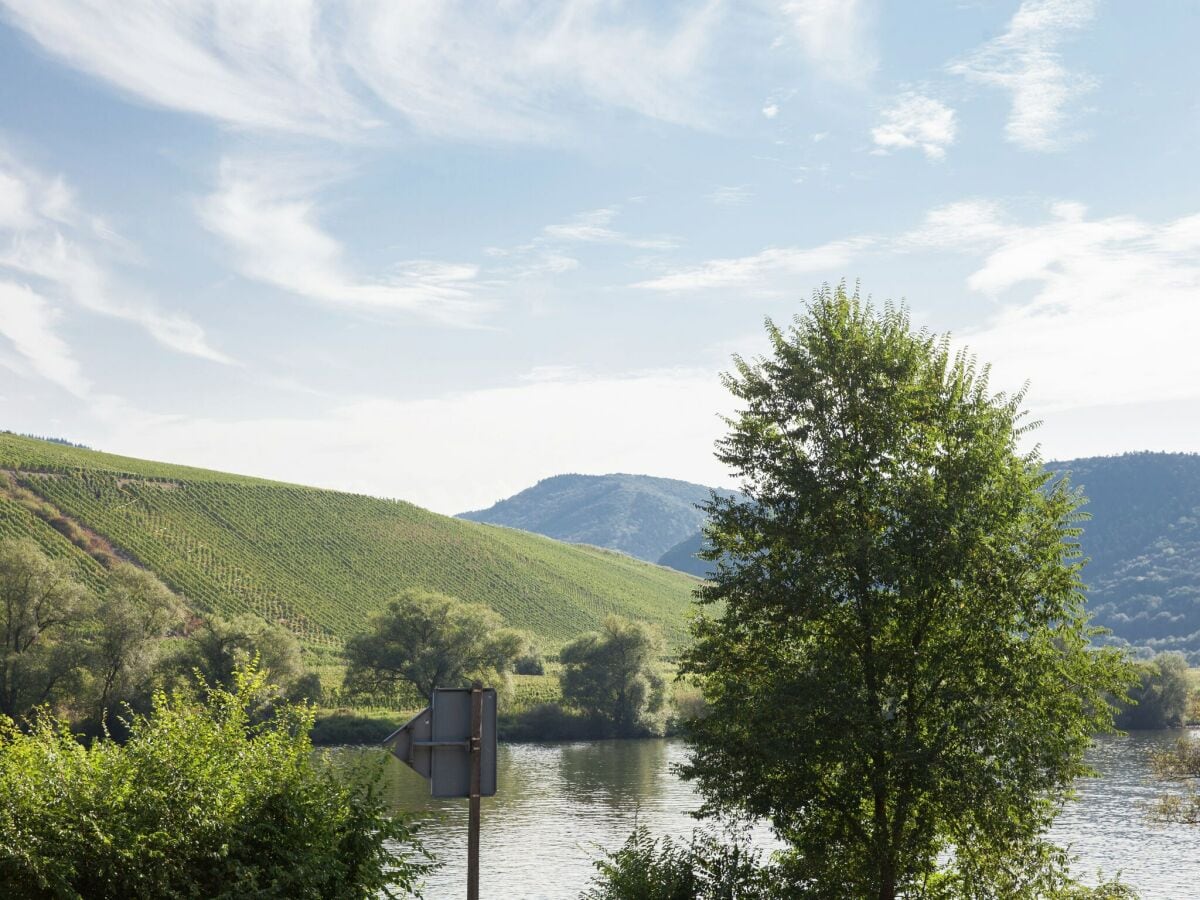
[(559, 804)]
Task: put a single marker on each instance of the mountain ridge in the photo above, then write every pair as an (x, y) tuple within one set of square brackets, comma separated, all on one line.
[(641, 515), (1142, 542)]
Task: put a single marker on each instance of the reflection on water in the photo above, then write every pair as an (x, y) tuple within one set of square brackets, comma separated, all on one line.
[(558, 804), (1108, 829)]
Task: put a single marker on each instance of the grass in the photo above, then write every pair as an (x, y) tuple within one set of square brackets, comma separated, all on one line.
[(317, 561)]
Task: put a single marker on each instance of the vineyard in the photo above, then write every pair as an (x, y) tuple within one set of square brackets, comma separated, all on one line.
[(314, 560)]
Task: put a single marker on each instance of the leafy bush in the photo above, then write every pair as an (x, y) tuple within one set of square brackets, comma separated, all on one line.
[(1160, 698), (529, 664), (201, 801), (615, 675), (646, 868)]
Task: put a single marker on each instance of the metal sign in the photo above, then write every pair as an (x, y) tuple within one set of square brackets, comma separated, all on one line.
[(436, 743), (452, 742)]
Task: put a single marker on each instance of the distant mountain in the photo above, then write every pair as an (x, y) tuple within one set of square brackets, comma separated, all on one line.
[(1143, 538), (636, 514), (683, 557), (1144, 543)]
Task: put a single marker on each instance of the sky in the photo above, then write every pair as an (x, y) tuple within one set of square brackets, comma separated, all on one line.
[(438, 251)]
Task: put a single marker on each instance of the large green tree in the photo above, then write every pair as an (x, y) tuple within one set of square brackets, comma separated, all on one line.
[(615, 675), (896, 656), (136, 612), (428, 640), (41, 606)]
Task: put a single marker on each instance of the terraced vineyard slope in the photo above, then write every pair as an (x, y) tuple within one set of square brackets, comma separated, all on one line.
[(317, 561)]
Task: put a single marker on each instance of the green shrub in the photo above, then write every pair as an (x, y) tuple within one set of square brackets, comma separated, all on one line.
[(646, 868), (202, 800), (1160, 698)]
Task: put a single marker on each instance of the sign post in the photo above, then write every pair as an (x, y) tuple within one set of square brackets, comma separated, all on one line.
[(452, 743), (473, 814)]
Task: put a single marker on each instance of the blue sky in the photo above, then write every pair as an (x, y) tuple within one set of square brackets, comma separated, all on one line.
[(440, 250)]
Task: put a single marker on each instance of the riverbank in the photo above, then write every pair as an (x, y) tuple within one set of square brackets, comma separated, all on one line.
[(564, 803)]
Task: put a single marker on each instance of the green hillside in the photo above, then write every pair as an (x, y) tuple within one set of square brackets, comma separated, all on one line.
[(317, 561)]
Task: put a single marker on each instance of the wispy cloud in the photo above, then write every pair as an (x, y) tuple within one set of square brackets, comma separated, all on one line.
[(264, 65), (915, 120), (1026, 61), (836, 36), (731, 195), (44, 235), (594, 227), (271, 224), (1111, 299), (510, 71), (505, 71), (29, 323), (760, 268)]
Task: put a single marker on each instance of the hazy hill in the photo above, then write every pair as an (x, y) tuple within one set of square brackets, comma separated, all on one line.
[(1144, 543), (683, 558), (636, 514), (318, 561), (1143, 538)]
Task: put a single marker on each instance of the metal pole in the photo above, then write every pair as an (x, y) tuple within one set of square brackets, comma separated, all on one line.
[(476, 766)]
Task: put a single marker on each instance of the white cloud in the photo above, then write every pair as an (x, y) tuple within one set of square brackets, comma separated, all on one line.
[(1026, 61), (28, 321), (47, 237), (835, 36), (755, 270), (272, 227), (731, 195), (263, 65), (508, 71), (594, 227), (915, 120), (659, 422), (1093, 311), (771, 110), (14, 202)]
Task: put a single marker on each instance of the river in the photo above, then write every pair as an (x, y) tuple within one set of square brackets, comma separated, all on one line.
[(560, 804)]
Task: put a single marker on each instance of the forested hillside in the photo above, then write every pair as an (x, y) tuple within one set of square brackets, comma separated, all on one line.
[(1143, 537), (636, 514), (1143, 540), (317, 561)]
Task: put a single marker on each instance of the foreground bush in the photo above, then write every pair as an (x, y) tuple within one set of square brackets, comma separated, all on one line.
[(708, 868), (201, 801), (646, 868)]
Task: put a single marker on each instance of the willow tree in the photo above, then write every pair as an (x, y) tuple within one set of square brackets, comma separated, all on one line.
[(895, 653)]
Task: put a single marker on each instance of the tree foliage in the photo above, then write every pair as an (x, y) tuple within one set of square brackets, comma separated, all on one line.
[(614, 674), (219, 647), (40, 606), (897, 660), (705, 868), (204, 800), (430, 640), (135, 613), (1161, 696)]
